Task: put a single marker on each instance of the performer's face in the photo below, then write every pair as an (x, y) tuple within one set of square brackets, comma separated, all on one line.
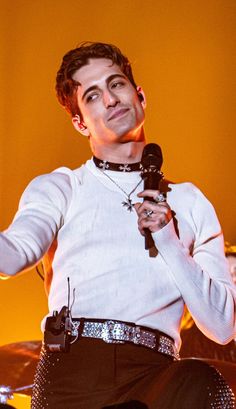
[(111, 111)]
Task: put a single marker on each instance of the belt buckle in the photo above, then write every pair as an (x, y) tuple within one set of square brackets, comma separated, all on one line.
[(108, 333)]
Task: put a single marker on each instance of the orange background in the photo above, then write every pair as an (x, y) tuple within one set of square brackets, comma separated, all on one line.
[(184, 56)]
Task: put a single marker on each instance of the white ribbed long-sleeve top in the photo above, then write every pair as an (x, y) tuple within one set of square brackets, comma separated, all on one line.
[(78, 218)]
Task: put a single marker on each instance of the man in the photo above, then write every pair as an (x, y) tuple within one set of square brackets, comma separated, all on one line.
[(89, 225)]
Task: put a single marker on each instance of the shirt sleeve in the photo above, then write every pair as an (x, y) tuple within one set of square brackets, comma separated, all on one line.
[(41, 213), (201, 273)]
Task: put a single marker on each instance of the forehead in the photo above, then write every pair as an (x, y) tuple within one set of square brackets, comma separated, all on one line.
[(96, 71)]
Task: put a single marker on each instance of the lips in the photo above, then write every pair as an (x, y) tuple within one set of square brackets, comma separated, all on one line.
[(118, 113)]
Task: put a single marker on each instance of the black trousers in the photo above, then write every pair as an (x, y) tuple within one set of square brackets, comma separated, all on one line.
[(96, 375)]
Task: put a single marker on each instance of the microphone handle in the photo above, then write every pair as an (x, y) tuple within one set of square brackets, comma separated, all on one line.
[(149, 242), (152, 181)]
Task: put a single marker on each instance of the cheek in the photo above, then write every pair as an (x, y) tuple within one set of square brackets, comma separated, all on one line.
[(95, 110), (140, 114), (89, 116)]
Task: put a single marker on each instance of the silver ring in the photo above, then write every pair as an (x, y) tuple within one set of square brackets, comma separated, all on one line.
[(149, 213), (160, 198)]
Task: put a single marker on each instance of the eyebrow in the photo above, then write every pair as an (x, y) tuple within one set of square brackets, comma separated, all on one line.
[(108, 80)]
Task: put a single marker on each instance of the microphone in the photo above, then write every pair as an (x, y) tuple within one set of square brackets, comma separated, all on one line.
[(151, 174)]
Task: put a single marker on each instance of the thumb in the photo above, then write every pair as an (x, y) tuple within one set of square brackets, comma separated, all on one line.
[(137, 206)]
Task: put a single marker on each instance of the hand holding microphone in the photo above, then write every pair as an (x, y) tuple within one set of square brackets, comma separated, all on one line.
[(154, 213)]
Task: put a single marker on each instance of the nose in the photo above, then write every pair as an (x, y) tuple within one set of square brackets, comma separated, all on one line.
[(110, 98)]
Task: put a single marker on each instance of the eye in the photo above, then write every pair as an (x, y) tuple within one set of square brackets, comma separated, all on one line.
[(117, 84), (91, 97)]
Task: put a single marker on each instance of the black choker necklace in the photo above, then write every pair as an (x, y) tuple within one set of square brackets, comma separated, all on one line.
[(118, 167)]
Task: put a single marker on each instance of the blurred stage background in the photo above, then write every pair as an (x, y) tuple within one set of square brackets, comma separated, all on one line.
[(183, 54)]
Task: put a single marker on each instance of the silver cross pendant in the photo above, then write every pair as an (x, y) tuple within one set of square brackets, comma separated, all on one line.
[(128, 204)]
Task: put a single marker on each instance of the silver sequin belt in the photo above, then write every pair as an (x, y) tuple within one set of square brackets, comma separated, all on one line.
[(116, 332)]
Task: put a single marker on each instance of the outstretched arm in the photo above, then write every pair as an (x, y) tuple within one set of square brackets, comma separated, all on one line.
[(41, 213)]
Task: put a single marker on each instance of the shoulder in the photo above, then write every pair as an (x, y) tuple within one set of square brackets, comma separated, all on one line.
[(185, 192), (56, 179), (189, 197), (56, 185), (189, 200)]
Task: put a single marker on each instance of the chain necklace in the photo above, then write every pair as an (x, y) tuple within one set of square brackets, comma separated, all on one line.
[(127, 203)]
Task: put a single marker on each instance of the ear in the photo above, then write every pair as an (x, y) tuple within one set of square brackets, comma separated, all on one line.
[(142, 97), (80, 126)]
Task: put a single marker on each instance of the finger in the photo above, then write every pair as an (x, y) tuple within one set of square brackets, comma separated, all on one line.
[(137, 206), (151, 224), (148, 193), (148, 223), (161, 207), (152, 218), (154, 195), (143, 207)]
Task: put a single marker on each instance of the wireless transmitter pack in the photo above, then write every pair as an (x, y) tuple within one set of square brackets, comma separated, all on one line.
[(57, 334)]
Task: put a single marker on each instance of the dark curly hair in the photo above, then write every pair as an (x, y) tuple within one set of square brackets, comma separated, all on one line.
[(66, 87)]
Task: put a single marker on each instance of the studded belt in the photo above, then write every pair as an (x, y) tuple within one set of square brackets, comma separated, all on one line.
[(116, 332)]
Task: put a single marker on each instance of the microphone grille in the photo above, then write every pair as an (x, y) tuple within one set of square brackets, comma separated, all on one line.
[(152, 156)]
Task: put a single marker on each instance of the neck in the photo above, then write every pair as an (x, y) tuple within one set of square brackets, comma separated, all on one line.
[(130, 152)]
